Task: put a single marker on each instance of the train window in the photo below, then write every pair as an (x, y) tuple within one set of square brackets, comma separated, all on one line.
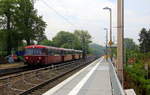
[(64, 52), (61, 52), (49, 52), (57, 52), (35, 51), (29, 52), (44, 51), (38, 52), (70, 52), (53, 51)]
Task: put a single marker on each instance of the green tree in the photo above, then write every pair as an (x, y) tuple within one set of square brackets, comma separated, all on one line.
[(46, 42), (144, 40), (2, 42), (85, 40), (96, 49), (19, 22), (7, 9), (30, 25), (39, 30), (66, 40), (130, 49), (130, 44)]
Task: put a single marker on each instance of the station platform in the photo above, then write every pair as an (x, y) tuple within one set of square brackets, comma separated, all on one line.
[(92, 80)]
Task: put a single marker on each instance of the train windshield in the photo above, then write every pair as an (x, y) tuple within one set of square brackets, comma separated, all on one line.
[(35, 51)]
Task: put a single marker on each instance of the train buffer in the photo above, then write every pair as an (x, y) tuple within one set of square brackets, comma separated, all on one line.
[(98, 78)]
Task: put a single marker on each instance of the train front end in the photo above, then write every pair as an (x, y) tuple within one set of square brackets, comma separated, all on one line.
[(35, 55)]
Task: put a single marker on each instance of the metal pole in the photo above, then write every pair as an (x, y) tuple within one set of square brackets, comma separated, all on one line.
[(110, 25), (110, 42), (120, 38), (106, 39), (111, 34), (110, 10)]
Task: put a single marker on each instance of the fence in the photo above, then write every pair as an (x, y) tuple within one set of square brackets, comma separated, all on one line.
[(116, 86)]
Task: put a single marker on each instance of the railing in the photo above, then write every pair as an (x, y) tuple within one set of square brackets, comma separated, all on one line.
[(116, 86)]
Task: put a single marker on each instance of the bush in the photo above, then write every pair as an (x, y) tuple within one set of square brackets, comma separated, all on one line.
[(138, 74)]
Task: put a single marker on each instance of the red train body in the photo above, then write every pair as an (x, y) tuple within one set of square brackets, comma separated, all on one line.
[(44, 55)]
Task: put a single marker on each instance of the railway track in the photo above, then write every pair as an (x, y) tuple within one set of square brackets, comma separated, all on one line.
[(11, 71), (31, 81), (4, 72)]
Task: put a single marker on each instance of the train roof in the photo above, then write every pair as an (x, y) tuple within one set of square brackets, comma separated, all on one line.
[(36, 46), (50, 47)]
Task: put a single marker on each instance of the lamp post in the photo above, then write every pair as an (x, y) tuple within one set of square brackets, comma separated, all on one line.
[(110, 10), (110, 42), (106, 38)]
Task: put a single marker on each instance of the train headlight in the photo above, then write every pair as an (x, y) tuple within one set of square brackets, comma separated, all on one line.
[(26, 58), (40, 58)]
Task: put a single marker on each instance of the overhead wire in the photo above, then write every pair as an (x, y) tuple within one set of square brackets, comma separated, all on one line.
[(57, 13)]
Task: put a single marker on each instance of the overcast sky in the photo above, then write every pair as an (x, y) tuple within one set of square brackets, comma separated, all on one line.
[(69, 15)]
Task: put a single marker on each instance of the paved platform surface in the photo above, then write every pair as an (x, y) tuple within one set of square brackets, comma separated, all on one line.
[(92, 80)]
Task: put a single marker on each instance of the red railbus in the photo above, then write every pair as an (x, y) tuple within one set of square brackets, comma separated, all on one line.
[(42, 55)]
